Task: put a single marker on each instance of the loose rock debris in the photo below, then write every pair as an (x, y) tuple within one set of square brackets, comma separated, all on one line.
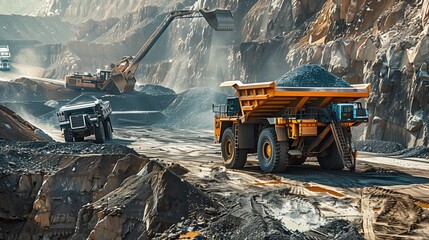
[(310, 75), (89, 195)]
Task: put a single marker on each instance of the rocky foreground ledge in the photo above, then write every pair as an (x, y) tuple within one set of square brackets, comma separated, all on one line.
[(97, 196)]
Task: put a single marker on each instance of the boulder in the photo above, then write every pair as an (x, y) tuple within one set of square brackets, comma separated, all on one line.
[(415, 121), (367, 51), (420, 52)]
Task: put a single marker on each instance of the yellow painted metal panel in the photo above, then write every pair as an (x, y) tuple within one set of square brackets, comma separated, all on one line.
[(257, 98), (306, 131)]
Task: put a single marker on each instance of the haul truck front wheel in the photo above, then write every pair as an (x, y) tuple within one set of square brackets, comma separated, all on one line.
[(233, 157), (68, 135), (99, 133), (108, 130), (272, 154)]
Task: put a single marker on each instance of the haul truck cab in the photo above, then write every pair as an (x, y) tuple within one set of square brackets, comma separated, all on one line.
[(285, 125)]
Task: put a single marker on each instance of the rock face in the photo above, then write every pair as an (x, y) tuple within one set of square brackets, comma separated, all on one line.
[(384, 43)]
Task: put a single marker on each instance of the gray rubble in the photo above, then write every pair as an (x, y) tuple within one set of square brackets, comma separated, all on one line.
[(310, 75)]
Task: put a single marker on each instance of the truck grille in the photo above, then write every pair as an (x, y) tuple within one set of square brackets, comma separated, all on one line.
[(77, 121)]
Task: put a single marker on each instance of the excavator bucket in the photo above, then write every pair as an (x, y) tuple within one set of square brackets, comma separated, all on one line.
[(219, 19), (117, 84)]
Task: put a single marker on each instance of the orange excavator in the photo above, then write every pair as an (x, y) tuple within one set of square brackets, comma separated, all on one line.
[(120, 78)]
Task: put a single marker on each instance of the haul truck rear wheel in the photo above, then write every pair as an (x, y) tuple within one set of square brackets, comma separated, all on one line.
[(272, 154), (332, 160), (233, 157)]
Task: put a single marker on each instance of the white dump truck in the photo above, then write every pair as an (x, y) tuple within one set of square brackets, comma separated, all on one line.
[(4, 57)]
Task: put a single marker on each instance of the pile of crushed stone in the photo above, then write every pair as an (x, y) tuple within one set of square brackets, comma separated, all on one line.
[(388, 148), (193, 108), (44, 156), (417, 152), (377, 146), (310, 75), (155, 90)]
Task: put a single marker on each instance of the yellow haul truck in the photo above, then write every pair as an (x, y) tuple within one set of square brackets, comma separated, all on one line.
[(285, 125)]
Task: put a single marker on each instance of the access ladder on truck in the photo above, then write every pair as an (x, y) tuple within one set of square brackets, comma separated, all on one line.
[(343, 144)]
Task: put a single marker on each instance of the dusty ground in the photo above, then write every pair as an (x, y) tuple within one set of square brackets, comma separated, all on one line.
[(386, 198), (19, 70)]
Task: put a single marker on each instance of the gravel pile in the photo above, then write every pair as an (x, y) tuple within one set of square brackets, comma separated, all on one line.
[(377, 146), (391, 149), (193, 108), (44, 156), (417, 152), (310, 75), (155, 90)]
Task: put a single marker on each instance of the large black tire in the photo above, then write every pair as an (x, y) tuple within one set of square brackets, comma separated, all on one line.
[(68, 135), (99, 133), (272, 155), (332, 160), (108, 130), (233, 157), (294, 160)]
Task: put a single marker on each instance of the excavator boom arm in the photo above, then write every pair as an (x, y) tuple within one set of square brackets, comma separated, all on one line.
[(144, 50), (123, 80), (219, 19)]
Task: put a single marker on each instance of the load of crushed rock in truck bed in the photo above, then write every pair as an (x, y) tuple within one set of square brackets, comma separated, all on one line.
[(310, 75)]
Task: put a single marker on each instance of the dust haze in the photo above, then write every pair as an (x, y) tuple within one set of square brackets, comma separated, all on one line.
[(162, 176)]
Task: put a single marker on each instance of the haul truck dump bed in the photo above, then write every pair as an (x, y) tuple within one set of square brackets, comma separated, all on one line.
[(285, 125)]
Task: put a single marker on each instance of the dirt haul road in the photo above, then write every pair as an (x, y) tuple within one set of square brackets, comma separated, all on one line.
[(386, 198), (21, 70)]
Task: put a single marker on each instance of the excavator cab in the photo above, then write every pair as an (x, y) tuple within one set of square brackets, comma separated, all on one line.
[(104, 74)]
